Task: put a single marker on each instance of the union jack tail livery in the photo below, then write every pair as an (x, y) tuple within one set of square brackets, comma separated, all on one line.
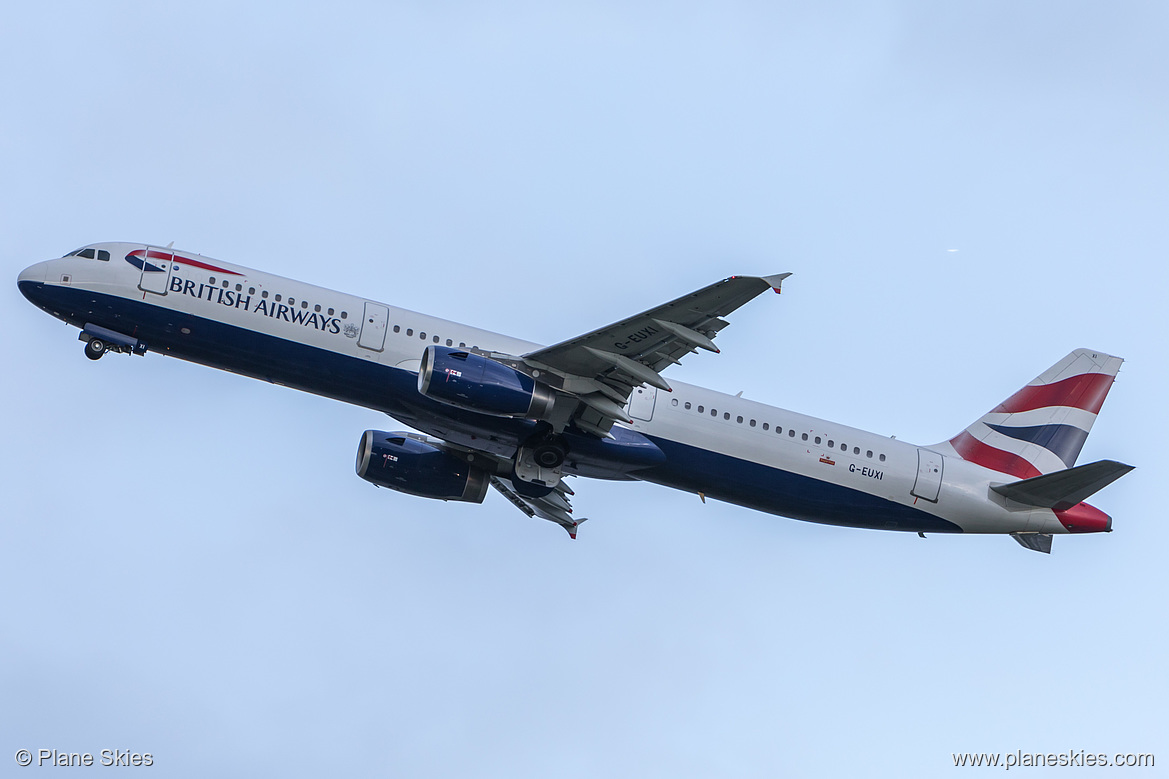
[(1042, 427)]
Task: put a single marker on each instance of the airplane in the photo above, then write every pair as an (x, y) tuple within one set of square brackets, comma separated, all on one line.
[(496, 412)]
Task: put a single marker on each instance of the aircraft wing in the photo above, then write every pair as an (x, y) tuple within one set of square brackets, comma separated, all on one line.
[(602, 367), (554, 507)]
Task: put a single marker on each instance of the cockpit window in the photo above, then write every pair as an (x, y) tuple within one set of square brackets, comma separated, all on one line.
[(90, 254)]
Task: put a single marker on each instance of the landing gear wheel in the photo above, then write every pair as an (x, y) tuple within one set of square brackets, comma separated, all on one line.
[(549, 456), (95, 348)]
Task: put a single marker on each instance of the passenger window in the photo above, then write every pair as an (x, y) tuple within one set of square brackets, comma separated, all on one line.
[(752, 423), (103, 255), (291, 302), (856, 450), (317, 308), (422, 336), (726, 415), (344, 315), (462, 345), (714, 412), (264, 294), (251, 290), (212, 281), (304, 304), (882, 458), (817, 439), (791, 434), (804, 437), (765, 426), (843, 447), (330, 312), (740, 420), (687, 406), (869, 454), (239, 287), (409, 331), (397, 328), (701, 409), (673, 401), (831, 443), (449, 343), (225, 283)]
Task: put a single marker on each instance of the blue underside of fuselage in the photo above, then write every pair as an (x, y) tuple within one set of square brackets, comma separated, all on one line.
[(394, 391), (776, 491)]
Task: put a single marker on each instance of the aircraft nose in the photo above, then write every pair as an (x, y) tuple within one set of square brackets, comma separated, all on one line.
[(32, 273), (30, 278)]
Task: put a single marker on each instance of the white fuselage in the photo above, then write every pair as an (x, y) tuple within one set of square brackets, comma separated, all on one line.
[(734, 434)]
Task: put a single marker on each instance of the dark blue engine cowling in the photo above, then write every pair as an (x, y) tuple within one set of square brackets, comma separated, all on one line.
[(405, 464), (459, 378)]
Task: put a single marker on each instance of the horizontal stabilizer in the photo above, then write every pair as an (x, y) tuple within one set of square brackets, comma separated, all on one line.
[(1038, 542), (1063, 489)]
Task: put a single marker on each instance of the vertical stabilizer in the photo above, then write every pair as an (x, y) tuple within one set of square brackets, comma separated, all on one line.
[(1042, 427)]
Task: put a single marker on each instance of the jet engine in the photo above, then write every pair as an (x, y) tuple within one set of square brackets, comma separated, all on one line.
[(459, 378), (411, 464)]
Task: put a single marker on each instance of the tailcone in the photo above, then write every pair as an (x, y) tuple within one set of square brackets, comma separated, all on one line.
[(1082, 518)]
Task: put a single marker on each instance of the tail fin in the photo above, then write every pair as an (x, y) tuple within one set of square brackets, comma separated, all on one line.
[(1042, 427)]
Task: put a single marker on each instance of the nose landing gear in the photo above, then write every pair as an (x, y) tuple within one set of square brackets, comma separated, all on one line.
[(95, 348), (99, 340)]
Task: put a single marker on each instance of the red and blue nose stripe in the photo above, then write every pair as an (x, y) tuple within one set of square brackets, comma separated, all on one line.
[(140, 259)]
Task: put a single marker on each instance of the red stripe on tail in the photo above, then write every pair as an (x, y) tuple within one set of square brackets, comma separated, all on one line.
[(972, 450), (1086, 391)]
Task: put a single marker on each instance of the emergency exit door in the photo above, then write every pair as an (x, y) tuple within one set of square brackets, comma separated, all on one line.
[(641, 403), (373, 327)]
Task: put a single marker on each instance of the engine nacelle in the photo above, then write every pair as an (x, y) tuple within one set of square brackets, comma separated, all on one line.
[(471, 381), (406, 464)]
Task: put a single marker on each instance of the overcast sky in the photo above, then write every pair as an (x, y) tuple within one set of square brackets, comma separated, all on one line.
[(964, 194)]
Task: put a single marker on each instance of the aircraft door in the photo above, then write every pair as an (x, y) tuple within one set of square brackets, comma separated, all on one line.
[(929, 475), (641, 403), (373, 327), (156, 270)]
